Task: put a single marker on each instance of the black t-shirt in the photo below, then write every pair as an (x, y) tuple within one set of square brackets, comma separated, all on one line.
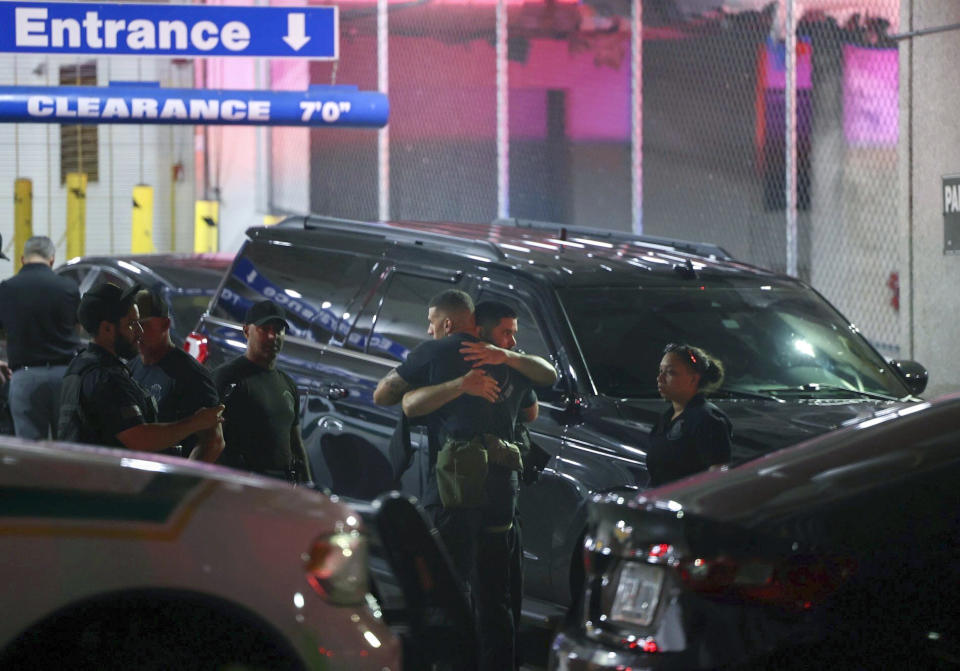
[(110, 400), (262, 410), (180, 385), (38, 310), (529, 398), (436, 361), (401, 452), (693, 442)]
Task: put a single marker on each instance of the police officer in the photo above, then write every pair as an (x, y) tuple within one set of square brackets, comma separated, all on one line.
[(38, 310), (692, 434), (262, 428), (100, 403), (469, 389), (178, 383), (498, 324)]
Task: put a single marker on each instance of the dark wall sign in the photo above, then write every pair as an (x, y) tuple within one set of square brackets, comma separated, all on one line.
[(951, 214)]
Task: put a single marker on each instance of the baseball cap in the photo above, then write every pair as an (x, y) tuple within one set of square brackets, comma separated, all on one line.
[(265, 311), (106, 302), (151, 304)]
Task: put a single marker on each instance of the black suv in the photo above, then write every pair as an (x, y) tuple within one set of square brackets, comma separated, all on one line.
[(601, 305)]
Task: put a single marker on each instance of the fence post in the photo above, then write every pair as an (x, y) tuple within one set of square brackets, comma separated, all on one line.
[(790, 144), (22, 218), (383, 135), (76, 214), (636, 116), (141, 233), (503, 114), (206, 220)]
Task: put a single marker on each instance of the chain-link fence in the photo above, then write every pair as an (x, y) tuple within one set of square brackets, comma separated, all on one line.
[(714, 144), (713, 149), (115, 158), (713, 128)]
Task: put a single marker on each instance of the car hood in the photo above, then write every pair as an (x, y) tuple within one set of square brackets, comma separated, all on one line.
[(127, 483), (812, 474), (762, 426)]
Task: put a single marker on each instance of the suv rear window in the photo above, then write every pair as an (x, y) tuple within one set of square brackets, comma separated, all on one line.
[(188, 306), (770, 339), (314, 286)]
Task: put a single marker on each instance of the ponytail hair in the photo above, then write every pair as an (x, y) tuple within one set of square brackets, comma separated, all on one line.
[(709, 368)]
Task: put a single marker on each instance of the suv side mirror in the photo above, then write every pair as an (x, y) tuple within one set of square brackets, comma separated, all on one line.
[(914, 374), (571, 411)]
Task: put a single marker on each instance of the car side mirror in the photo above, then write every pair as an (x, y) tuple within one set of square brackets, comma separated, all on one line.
[(570, 412), (913, 373)]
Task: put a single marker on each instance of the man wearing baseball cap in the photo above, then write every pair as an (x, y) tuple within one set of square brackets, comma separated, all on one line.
[(262, 417), (178, 383), (100, 403)]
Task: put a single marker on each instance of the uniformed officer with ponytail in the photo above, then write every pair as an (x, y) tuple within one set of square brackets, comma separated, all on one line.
[(692, 434)]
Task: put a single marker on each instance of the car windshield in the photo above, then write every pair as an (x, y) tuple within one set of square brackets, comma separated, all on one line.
[(772, 340)]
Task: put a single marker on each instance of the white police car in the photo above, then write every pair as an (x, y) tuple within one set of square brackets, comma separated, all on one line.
[(121, 560)]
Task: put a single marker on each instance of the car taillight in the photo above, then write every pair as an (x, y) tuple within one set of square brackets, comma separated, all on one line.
[(196, 346), (795, 582), (336, 567)]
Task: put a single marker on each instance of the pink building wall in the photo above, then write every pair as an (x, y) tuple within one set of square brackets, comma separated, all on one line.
[(440, 90)]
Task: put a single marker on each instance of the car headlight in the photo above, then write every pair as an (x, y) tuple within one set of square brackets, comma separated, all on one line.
[(637, 593), (336, 568)]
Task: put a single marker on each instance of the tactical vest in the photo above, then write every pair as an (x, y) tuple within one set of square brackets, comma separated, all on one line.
[(74, 424)]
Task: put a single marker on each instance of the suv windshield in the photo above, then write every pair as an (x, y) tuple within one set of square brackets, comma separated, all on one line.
[(772, 340)]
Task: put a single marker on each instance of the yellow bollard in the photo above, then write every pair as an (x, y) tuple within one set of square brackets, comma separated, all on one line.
[(22, 218), (76, 214), (141, 232), (206, 217)]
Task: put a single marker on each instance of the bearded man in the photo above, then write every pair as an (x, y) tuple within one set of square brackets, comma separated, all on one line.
[(100, 403)]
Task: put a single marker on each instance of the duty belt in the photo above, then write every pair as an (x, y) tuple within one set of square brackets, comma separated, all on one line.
[(43, 364), (462, 467)]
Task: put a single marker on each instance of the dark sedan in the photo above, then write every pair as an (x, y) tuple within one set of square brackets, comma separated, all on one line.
[(186, 281), (840, 552)]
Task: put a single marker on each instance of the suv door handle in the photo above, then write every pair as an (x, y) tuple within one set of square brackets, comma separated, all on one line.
[(333, 425), (335, 393)]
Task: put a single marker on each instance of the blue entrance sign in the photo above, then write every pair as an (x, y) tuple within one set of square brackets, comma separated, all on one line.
[(138, 103), (169, 30)]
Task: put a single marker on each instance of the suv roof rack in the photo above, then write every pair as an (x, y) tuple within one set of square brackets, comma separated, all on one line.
[(561, 231), (456, 237), (442, 242)]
